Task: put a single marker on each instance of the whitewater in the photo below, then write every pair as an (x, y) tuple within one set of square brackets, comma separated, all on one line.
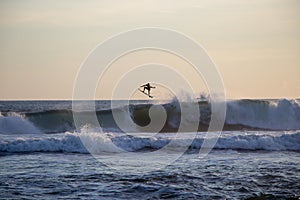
[(43, 154)]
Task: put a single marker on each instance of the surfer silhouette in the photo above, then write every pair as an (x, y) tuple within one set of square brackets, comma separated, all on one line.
[(147, 87)]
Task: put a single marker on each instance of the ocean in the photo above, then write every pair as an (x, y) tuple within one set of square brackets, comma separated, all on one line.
[(46, 155)]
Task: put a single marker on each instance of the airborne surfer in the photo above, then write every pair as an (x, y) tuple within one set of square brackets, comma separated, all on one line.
[(147, 87)]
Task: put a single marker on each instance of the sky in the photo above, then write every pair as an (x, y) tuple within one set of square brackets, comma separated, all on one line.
[(255, 44)]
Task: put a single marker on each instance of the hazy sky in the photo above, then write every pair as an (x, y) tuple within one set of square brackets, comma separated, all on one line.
[(255, 44)]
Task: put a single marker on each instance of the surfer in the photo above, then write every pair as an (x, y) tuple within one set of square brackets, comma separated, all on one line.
[(147, 87)]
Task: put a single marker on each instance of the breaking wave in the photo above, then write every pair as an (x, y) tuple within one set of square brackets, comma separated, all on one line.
[(16, 123), (276, 115), (116, 142), (241, 115)]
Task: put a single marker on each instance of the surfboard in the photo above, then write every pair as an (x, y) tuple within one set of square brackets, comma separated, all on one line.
[(145, 93)]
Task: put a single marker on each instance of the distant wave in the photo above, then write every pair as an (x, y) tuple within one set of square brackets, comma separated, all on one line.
[(241, 115), (71, 142)]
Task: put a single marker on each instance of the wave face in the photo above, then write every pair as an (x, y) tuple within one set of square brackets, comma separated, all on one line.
[(241, 115), (107, 142)]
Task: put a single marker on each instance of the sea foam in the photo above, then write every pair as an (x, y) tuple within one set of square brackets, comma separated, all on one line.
[(99, 143)]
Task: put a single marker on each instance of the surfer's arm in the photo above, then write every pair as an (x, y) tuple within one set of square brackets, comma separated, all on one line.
[(152, 87)]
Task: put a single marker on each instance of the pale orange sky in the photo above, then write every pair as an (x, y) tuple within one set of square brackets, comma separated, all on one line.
[(255, 44)]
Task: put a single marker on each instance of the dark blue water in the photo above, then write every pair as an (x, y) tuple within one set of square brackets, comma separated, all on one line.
[(224, 174)]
